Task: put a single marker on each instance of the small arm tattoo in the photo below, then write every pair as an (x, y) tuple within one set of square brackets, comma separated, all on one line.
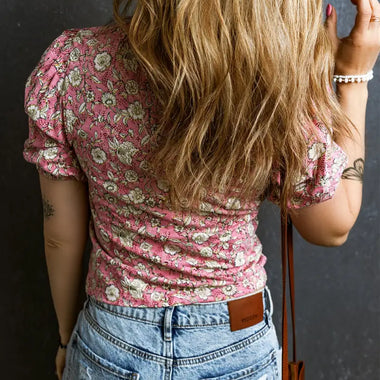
[(356, 172), (48, 208)]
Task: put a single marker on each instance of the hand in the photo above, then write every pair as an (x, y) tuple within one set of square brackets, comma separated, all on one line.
[(357, 53), (60, 362)]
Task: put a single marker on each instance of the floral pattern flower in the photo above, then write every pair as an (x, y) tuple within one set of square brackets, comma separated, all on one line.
[(75, 77), (112, 293), (109, 100), (102, 61), (91, 115)]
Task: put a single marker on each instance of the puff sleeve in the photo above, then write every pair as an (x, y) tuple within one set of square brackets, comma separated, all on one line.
[(323, 169), (46, 91)]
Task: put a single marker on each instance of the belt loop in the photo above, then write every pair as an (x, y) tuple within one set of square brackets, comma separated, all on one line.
[(168, 323), (269, 298), (86, 301)]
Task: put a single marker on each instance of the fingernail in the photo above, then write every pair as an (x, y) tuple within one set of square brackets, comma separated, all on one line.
[(328, 10)]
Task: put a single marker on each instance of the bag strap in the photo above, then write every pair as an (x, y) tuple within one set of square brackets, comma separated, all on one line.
[(287, 255)]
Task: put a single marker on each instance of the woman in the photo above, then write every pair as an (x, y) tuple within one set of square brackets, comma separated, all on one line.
[(159, 136)]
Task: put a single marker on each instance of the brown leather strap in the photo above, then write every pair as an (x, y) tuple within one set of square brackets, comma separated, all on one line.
[(291, 282), (287, 255), (284, 244)]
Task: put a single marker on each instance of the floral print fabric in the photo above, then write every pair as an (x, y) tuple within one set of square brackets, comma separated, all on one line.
[(91, 117), (323, 168)]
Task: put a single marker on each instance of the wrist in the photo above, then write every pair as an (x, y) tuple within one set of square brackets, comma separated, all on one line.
[(344, 69), (359, 89), (61, 345), (64, 338)]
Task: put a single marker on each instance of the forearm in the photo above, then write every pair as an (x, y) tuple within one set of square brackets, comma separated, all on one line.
[(65, 269), (353, 100)]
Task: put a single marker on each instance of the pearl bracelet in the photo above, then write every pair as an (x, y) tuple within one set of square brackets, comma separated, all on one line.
[(353, 78)]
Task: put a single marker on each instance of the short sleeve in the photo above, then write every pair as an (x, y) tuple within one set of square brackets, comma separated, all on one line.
[(322, 173), (47, 145)]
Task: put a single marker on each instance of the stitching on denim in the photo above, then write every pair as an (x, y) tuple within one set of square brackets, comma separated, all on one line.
[(121, 315), (159, 323), (134, 318), (259, 366), (207, 325), (125, 346), (95, 359), (223, 351)]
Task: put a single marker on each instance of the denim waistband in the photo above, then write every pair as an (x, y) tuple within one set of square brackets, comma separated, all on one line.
[(195, 314)]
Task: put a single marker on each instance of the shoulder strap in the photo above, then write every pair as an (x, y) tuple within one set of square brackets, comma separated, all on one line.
[(287, 255)]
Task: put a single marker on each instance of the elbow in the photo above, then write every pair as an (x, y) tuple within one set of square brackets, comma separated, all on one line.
[(337, 241), (326, 235), (324, 226), (326, 240)]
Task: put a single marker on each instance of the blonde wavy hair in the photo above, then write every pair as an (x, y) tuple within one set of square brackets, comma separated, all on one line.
[(238, 81)]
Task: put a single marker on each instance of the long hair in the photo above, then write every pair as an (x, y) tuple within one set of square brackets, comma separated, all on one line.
[(239, 82)]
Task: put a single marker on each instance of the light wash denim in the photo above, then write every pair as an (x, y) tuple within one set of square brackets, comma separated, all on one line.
[(186, 342)]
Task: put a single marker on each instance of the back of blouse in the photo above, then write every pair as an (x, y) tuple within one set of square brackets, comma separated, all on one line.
[(91, 118)]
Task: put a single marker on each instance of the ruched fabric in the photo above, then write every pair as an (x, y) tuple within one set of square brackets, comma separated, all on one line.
[(48, 145), (323, 168), (92, 114)]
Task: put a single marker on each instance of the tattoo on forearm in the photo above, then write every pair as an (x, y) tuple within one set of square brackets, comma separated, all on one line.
[(48, 208), (356, 172)]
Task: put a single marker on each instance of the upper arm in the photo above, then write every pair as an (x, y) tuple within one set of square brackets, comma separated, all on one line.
[(66, 211), (327, 223), (50, 147), (319, 205)]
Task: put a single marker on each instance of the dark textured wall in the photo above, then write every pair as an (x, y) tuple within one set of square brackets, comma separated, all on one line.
[(337, 289)]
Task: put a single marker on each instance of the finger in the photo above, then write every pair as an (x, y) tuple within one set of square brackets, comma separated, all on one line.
[(331, 26), (375, 5), (375, 12), (363, 16)]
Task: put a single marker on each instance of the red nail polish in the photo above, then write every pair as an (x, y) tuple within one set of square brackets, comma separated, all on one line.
[(328, 10)]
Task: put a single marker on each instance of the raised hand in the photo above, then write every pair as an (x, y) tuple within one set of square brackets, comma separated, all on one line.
[(357, 53)]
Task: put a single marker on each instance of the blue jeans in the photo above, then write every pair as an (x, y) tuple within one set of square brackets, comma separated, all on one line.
[(186, 342)]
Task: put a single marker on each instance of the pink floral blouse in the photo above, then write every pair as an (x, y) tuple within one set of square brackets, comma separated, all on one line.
[(91, 114)]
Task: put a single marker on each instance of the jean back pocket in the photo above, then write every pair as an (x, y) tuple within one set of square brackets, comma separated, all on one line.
[(87, 365), (265, 369)]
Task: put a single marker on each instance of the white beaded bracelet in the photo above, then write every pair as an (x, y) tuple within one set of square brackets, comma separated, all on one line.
[(353, 78)]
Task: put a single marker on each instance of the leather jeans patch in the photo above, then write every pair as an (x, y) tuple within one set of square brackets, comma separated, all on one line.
[(246, 312)]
